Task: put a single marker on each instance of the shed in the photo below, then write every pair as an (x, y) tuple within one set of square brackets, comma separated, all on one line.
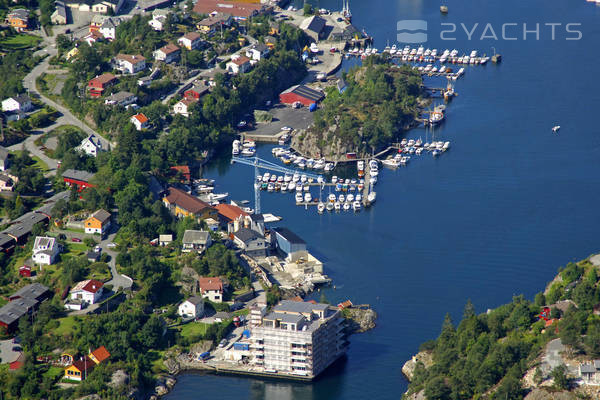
[(302, 94)]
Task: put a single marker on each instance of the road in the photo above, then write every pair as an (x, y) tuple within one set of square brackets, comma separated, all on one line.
[(118, 281)]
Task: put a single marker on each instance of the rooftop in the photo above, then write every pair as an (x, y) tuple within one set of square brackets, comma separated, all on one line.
[(104, 78), (195, 300), (195, 237), (169, 48), (185, 201), (119, 96), (90, 285), (306, 92), (236, 9), (245, 234), (289, 235), (230, 212), (210, 283), (77, 175), (101, 215), (131, 58)]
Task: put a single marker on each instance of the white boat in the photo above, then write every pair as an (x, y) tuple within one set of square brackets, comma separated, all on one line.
[(291, 186), (346, 206), (473, 54), (287, 178), (296, 177), (284, 187), (446, 146), (356, 206), (341, 198), (302, 164), (303, 178), (235, 150), (373, 180), (371, 197), (337, 206), (360, 165), (358, 197), (299, 187), (329, 166), (310, 180), (307, 197), (306, 188), (310, 162), (373, 164), (217, 196), (391, 163), (249, 144), (321, 207), (350, 198), (334, 179), (299, 197), (374, 172), (556, 128), (320, 179), (331, 198), (248, 152), (271, 186), (329, 206)]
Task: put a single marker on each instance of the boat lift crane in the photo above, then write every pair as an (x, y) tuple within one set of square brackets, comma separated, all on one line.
[(257, 163)]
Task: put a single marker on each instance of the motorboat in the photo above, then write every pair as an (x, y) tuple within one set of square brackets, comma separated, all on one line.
[(329, 166), (303, 178), (235, 150), (341, 198), (374, 172), (356, 206), (346, 206), (306, 188), (329, 206), (371, 197), (337, 206), (284, 187), (248, 152), (296, 177), (299, 197), (334, 179), (358, 197), (360, 165), (273, 178), (307, 197), (391, 163), (287, 178), (331, 198), (350, 198), (302, 164), (299, 187), (338, 187), (556, 128), (271, 186), (321, 207), (291, 186), (249, 144)]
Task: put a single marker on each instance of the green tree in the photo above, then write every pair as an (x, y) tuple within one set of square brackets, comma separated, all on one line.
[(559, 374)]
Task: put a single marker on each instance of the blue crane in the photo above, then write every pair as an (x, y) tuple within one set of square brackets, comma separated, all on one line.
[(257, 163)]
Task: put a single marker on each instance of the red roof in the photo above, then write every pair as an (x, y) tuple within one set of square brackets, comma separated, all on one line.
[(91, 286), (240, 10), (142, 119), (103, 79), (169, 48), (185, 201), (101, 354), (229, 211), (191, 36), (86, 365), (213, 283), (240, 60)]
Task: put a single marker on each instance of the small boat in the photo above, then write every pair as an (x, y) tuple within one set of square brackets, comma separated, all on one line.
[(303, 178), (321, 207), (271, 186), (338, 187), (329, 166), (334, 179), (299, 187), (350, 198), (337, 206), (374, 172), (287, 178), (556, 128), (273, 178), (444, 9), (280, 179), (291, 186), (360, 165), (284, 187), (299, 197), (235, 150), (329, 206), (249, 144), (331, 198), (296, 177), (301, 164), (358, 197), (248, 152), (371, 197), (341, 198), (346, 206), (356, 206), (391, 163), (306, 188), (307, 197)]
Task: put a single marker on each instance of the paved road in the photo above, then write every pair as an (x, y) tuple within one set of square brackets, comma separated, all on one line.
[(118, 281)]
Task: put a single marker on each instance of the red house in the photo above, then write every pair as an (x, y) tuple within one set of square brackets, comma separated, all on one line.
[(196, 92), (81, 179), (25, 271), (302, 94), (97, 85)]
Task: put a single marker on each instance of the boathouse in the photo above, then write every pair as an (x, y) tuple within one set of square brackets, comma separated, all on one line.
[(302, 94)]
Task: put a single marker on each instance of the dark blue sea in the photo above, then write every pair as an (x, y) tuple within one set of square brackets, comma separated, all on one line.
[(493, 217)]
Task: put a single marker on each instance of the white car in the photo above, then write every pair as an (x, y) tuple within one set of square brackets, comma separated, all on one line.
[(286, 128), (97, 249), (111, 245)]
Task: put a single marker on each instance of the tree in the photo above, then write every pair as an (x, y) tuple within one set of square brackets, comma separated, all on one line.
[(559, 374), (437, 389), (469, 310), (540, 299)]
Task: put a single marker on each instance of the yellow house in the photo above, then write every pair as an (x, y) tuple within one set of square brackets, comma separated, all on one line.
[(98, 222), (182, 205), (99, 355), (80, 369), (72, 53)]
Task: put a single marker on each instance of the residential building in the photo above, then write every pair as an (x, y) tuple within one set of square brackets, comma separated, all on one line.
[(21, 304), (290, 244), (88, 291), (232, 217), (103, 6), (7, 243), (302, 94), (121, 98), (140, 121), (157, 23), (238, 10), (79, 370), (183, 106), (81, 179), (258, 51), (97, 85), (211, 288), (34, 291), (214, 23), (99, 355), (590, 373), (191, 308), (238, 65), (18, 19), (93, 37), (252, 243), (167, 53), (182, 205), (341, 85), (71, 53), (314, 27), (4, 159), (93, 256), (197, 241), (270, 41), (98, 222), (45, 250), (21, 102), (59, 16), (257, 312), (257, 223), (91, 145), (6, 183), (165, 240), (130, 63), (298, 338), (109, 27), (190, 40)]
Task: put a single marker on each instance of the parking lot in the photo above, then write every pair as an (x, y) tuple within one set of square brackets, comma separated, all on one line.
[(6, 351), (298, 119)]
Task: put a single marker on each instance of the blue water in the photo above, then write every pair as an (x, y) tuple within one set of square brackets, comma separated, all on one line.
[(494, 216)]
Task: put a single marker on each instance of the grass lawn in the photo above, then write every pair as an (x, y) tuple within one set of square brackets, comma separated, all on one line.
[(38, 162), (20, 42), (194, 329), (157, 361), (66, 326), (54, 373), (244, 311)]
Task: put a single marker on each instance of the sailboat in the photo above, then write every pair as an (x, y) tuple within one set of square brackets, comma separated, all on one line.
[(346, 11)]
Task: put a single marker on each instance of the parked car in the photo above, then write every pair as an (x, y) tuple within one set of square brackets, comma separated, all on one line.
[(222, 343), (76, 240), (98, 249), (111, 245), (17, 348)]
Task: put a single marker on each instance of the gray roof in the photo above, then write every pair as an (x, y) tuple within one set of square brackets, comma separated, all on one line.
[(257, 217), (83, 176), (298, 307), (5, 239), (287, 318), (11, 312), (25, 302), (246, 235), (3, 153), (22, 98), (110, 22), (93, 255), (32, 291), (101, 215), (289, 236), (20, 12), (120, 96), (314, 24), (195, 300), (195, 237), (165, 238), (261, 47), (597, 364), (60, 9), (222, 315), (587, 368)]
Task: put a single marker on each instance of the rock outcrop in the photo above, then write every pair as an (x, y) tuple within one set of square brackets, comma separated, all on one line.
[(360, 320), (408, 369), (543, 394)]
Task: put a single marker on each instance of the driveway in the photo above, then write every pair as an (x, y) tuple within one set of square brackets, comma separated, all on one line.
[(118, 281), (7, 355)]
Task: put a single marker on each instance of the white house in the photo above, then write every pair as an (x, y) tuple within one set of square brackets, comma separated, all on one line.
[(91, 145), (45, 250), (109, 28), (140, 121), (190, 40), (238, 64), (103, 6), (159, 18), (89, 291), (183, 106), (211, 288), (21, 102), (258, 51), (168, 53), (121, 99), (197, 241), (192, 307), (130, 64)]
